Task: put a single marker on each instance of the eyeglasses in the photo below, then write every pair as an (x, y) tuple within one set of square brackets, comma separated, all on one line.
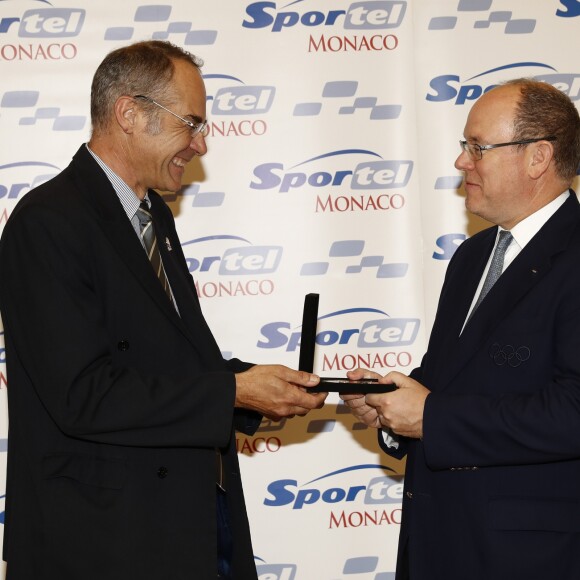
[(196, 128), (475, 151)]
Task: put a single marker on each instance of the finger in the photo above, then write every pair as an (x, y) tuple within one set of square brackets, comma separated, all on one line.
[(317, 399), (302, 411), (346, 397), (377, 399), (358, 374), (306, 400), (300, 377), (394, 377)]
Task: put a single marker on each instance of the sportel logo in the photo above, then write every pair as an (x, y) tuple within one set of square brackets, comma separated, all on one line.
[(240, 260), (370, 15), (446, 88), (365, 176), (45, 23), (230, 97), (375, 333), (35, 34), (239, 99), (222, 255), (376, 491)]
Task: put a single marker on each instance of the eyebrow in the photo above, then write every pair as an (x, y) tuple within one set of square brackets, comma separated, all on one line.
[(194, 118)]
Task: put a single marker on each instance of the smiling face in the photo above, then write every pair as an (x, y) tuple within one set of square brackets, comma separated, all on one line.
[(498, 186), (161, 150)]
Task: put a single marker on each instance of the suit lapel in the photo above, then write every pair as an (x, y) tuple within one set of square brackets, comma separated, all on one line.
[(182, 285), (462, 289), (461, 281), (111, 217), (528, 268)]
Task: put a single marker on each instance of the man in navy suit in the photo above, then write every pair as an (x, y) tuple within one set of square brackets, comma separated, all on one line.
[(490, 421), (122, 410)]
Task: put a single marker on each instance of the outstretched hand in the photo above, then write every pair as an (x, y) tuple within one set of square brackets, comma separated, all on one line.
[(277, 391), (401, 410)]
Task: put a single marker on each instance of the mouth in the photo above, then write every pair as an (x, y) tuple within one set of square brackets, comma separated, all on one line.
[(179, 162), (469, 184)]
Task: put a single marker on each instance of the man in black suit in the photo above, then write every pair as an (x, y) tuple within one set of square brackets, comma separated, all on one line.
[(490, 421), (121, 453)]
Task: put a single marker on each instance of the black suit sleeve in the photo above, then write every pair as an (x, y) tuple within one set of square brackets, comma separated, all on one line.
[(64, 309)]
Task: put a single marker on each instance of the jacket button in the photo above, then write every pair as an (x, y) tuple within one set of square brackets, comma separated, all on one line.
[(123, 345), (162, 472), (409, 494)]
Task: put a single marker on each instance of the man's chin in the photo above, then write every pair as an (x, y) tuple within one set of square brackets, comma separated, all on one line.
[(174, 184), (472, 201)]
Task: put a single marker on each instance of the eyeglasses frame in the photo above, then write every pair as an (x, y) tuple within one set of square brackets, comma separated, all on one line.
[(465, 145), (196, 128)]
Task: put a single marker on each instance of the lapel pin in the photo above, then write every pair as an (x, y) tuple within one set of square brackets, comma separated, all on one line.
[(534, 271), (168, 244)]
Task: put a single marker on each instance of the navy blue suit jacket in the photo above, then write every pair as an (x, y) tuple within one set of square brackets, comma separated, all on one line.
[(493, 490)]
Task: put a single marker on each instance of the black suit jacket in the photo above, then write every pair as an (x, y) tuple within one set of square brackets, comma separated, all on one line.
[(493, 490), (116, 402)]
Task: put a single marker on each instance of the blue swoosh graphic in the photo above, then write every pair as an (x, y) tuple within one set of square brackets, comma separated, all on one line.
[(346, 469), (218, 237), (515, 65), (343, 152)]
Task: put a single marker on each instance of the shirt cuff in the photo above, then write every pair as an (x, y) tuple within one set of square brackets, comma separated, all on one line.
[(390, 439)]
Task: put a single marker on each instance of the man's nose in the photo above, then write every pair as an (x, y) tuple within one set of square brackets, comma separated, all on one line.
[(464, 161), (198, 144)]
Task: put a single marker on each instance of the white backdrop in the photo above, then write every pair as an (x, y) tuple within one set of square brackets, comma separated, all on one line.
[(334, 129)]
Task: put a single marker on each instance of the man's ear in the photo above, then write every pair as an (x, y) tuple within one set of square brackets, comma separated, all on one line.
[(540, 157), (125, 114)]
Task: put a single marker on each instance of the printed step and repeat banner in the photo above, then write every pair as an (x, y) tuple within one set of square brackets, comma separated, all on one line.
[(334, 128)]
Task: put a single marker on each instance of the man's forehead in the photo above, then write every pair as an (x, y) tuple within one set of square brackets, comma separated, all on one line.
[(502, 99), (493, 111)]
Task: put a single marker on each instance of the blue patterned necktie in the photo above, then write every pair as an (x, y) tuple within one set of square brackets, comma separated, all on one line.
[(495, 268)]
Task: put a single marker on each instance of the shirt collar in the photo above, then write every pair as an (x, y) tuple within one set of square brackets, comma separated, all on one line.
[(525, 230), (126, 195)]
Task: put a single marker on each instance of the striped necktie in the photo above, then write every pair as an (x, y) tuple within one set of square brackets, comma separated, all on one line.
[(150, 243)]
